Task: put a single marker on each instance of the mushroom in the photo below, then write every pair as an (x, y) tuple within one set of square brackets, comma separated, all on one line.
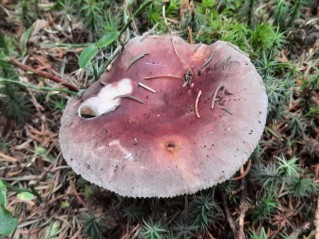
[(169, 118)]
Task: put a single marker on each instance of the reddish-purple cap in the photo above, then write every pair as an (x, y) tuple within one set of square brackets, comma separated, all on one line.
[(169, 118)]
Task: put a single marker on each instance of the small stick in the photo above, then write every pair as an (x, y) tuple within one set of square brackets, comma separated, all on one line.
[(149, 32), (78, 197), (164, 17), (196, 103), (224, 109), (244, 173), (199, 71), (171, 20), (317, 171), (237, 49), (182, 60), (8, 158), (71, 26), (215, 94), (229, 216), (147, 87), (131, 18), (190, 35), (162, 76), (77, 234), (198, 46), (133, 25), (200, 31), (44, 74), (317, 218), (244, 206), (135, 59), (31, 86), (112, 58), (131, 97), (226, 63)]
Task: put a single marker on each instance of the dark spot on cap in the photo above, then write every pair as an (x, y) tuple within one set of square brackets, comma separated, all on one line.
[(171, 146)]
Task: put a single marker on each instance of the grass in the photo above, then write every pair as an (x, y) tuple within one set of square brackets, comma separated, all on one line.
[(277, 199)]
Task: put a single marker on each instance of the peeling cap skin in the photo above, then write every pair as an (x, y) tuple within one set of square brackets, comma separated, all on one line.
[(125, 138)]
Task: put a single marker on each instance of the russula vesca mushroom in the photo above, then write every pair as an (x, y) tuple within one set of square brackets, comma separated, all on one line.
[(169, 118)]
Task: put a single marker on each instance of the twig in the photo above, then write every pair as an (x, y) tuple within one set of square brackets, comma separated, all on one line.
[(197, 47), (147, 87), (237, 49), (190, 36), (317, 219), (36, 87), (131, 233), (226, 63), (199, 71), (229, 217), (126, 16), (181, 59), (215, 94), (71, 27), (243, 207), (131, 18), (78, 197), (135, 59), (171, 20), (129, 97), (8, 158), (241, 176), (109, 62), (162, 76), (184, 212), (196, 103), (35, 192), (210, 235), (43, 74), (65, 45), (95, 73), (165, 20), (226, 110), (149, 32), (200, 31), (134, 26), (317, 172)]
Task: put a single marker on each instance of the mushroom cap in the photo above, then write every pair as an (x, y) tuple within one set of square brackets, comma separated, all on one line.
[(162, 148)]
